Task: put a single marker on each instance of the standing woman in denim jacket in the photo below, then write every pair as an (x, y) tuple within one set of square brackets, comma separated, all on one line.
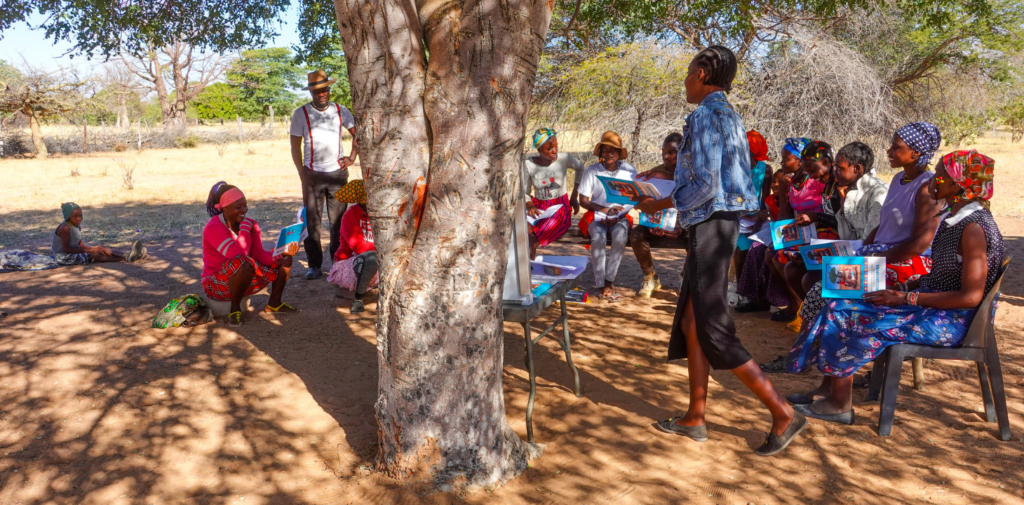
[(713, 188)]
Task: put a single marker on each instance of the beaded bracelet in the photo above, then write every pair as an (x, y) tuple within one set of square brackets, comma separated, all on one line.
[(912, 297)]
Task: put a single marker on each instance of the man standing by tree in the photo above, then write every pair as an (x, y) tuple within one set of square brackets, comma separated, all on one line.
[(320, 159)]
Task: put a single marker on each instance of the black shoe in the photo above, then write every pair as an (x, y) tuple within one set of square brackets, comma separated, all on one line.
[(313, 273), (748, 307), (846, 418), (357, 307), (775, 444), (697, 433), (777, 365), (782, 316), (799, 399)]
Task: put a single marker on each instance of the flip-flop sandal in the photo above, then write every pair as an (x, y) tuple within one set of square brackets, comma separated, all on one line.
[(235, 319), (774, 444), (284, 307), (697, 433), (611, 298)]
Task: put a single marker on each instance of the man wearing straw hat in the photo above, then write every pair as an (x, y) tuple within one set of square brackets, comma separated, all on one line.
[(319, 156)]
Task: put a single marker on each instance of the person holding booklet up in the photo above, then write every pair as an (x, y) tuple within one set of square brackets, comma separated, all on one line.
[(713, 188), (604, 218), (235, 264), (935, 309)]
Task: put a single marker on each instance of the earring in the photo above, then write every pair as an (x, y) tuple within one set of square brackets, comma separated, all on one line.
[(956, 199)]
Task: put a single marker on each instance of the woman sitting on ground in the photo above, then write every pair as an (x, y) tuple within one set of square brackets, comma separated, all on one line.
[(355, 263), (69, 248), (547, 177), (935, 309), (235, 264), (603, 219)]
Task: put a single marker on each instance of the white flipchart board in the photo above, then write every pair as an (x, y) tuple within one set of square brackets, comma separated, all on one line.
[(518, 285)]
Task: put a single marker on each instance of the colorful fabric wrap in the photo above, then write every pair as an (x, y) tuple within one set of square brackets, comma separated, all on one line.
[(922, 137), (758, 146), (541, 136), (67, 208), (973, 172), (796, 145), (353, 192)]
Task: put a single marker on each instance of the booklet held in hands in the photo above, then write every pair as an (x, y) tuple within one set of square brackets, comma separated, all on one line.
[(291, 234), (787, 233), (851, 277)]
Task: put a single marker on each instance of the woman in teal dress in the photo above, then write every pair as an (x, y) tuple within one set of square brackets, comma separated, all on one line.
[(934, 310)]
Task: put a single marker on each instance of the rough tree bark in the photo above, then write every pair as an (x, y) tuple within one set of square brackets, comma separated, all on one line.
[(37, 133), (441, 141)]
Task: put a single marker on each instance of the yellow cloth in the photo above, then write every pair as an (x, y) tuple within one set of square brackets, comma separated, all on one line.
[(353, 192)]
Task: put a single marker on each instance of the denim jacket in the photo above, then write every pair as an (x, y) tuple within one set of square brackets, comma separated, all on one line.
[(713, 167)]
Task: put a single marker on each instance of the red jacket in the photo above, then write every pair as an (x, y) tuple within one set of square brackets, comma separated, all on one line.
[(356, 235)]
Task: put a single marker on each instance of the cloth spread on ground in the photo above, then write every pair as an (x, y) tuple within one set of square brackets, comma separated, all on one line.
[(26, 260), (221, 244)]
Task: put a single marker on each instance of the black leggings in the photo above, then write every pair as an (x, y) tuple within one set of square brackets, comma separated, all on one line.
[(365, 267), (706, 281)]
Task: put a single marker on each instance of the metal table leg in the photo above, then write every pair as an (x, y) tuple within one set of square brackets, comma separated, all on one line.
[(566, 346), (533, 381)]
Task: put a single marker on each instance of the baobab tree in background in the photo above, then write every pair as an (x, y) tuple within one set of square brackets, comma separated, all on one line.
[(123, 84), (39, 94), (189, 71)]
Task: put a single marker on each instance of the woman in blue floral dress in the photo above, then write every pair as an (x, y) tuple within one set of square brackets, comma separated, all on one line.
[(935, 310)]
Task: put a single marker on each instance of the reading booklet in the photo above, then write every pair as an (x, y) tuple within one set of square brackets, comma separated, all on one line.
[(851, 277), (664, 219), (548, 212), (786, 233), (619, 191), (291, 234), (818, 249), (601, 216)]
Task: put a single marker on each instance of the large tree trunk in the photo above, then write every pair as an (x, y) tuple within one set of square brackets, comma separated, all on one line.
[(37, 133), (441, 144)]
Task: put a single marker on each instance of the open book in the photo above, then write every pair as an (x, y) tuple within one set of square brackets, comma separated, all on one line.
[(819, 249), (548, 212), (621, 191)]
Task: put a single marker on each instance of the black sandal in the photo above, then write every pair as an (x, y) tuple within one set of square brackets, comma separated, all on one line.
[(697, 433), (774, 444)]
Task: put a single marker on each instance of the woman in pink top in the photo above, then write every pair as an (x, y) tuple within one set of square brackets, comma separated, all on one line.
[(235, 264), (355, 263)]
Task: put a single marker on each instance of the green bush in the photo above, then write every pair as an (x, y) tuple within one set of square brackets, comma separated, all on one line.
[(187, 142)]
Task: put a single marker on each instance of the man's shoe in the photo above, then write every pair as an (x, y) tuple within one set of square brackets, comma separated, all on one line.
[(313, 273), (650, 285)]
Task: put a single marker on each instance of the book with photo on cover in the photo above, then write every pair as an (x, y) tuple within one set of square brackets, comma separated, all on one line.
[(851, 277), (626, 191), (818, 249), (663, 219), (291, 234), (787, 233)]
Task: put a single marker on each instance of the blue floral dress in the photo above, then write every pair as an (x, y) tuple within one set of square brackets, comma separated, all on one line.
[(848, 334)]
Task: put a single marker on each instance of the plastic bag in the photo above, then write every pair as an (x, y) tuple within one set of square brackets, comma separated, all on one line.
[(188, 310)]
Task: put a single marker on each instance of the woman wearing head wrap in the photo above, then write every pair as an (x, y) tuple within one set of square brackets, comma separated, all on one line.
[(69, 248), (934, 310), (355, 263), (235, 264), (546, 173)]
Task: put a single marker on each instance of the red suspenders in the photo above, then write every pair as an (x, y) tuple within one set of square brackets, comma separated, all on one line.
[(309, 128)]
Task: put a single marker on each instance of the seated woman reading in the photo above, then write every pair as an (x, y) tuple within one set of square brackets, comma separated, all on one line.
[(355, 263), (69, 248), (235, 264), (547, 177), (936, 309)]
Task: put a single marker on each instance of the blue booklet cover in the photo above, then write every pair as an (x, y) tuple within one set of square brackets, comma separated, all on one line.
[(814, 253), (664, 219), (624, 191), (851, 277), (787, 233), (291, 234)]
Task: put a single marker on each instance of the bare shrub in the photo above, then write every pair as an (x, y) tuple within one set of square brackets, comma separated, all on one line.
[(222, 149), (249, 150), (120, 147), (127, 173), (75, 172)]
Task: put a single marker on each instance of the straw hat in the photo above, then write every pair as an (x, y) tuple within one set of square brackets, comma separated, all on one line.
[(612, 139), (318, 79)]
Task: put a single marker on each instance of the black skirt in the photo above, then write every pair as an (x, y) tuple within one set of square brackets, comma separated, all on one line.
[(706, 279)]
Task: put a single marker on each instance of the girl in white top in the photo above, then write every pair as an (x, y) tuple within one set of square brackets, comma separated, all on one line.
[(547, 177)]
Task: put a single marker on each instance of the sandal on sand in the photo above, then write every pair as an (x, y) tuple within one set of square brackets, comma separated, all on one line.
[(284, 307), (697, 433), (775, 444), (235, 318), (611, 297), (777, 365)]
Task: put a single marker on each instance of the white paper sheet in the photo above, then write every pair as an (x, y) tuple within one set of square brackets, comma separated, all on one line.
[(577, 264), (601, 216), (763, 237), (550, 211)]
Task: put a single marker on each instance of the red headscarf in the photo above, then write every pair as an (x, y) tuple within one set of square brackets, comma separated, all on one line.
[(758, 146)]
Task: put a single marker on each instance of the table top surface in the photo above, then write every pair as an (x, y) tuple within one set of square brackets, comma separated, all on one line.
[(518, 313)]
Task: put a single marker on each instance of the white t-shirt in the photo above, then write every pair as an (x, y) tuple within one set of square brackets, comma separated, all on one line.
[(592, 188), (549, 182), (326, 130)]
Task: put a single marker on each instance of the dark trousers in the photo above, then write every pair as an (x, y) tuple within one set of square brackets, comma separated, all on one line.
[(706, 282), (318, 188)]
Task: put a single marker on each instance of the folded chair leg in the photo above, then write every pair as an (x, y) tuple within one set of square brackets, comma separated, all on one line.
[(986, 393), (890, 389), (877, 375), (995, 375)]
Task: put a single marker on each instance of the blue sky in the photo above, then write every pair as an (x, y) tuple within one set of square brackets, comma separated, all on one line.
[(22, 41)]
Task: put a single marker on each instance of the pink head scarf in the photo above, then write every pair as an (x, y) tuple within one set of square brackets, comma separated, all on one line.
[(973, 172)]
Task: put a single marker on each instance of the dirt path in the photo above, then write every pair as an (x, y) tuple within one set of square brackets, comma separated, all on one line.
[(96, 407)]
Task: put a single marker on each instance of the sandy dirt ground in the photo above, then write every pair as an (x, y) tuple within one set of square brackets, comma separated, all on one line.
[(96, 407)]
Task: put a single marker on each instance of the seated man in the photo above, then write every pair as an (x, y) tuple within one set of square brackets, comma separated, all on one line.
[(235, 264), (641, 236), (355, 263), (70, 249)]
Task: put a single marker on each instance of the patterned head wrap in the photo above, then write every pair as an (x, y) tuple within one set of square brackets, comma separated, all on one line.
[(796, 145), (818, 150), (67, 209), (541, 136), (758, 146), (973, 172), (353, 192), (922, 137)]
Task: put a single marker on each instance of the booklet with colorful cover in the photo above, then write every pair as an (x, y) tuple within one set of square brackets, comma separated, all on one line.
[(291, 234), (818, 249), (787, 233), (625, 191), (664, 219), (851, 277)]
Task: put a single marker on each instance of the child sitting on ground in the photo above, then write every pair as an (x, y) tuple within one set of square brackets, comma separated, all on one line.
[(69, 248)]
